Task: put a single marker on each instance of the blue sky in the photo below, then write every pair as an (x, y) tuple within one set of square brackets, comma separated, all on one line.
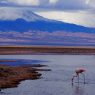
[(52, 4)]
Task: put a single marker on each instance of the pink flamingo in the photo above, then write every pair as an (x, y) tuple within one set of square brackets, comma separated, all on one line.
[(78, 72)]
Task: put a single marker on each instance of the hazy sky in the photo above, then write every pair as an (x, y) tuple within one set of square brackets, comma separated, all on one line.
[(57, 4)]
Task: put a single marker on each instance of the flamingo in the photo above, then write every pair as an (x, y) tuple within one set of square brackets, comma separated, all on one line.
[(78, 72)]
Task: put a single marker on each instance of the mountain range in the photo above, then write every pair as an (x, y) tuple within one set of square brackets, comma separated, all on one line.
[(24, 27)]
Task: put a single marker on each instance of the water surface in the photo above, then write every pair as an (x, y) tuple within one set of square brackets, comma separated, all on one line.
[(57, 81)]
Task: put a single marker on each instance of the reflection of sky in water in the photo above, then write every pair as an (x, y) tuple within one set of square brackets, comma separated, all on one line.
[(18, 62), (79, 17)]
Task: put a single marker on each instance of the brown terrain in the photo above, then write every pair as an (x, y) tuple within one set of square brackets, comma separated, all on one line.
[(11, 76), (46, 50)]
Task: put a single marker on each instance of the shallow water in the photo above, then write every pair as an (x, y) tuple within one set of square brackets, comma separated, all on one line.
[(57, 81)]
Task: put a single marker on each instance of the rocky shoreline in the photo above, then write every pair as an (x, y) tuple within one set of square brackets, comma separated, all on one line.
[(11, 76)]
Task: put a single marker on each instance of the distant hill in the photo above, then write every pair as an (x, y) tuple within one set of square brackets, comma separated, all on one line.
[(21, 25), (20, 20)]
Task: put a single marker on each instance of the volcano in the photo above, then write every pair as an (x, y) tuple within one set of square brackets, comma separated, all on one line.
[(24, 27)]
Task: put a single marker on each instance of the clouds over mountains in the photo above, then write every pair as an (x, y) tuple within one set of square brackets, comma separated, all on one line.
[(57, 4)]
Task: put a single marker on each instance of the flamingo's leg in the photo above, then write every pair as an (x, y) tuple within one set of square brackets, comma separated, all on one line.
[(78, 78), (73, 79), (83, 77)]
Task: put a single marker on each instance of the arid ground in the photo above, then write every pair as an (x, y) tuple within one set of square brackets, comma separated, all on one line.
[(45, 49)]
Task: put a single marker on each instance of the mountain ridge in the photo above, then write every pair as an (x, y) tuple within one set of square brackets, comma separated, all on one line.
[(21, 25)]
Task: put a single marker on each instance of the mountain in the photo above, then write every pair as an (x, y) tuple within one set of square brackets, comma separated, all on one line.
[(24, 27), (21, 20), (21, 25)]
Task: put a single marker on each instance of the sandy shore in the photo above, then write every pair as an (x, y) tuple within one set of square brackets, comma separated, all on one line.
[(10, 76), (46, 50)]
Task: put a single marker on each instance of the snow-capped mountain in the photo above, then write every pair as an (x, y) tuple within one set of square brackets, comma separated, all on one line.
[(23, 27), (15, 13)]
